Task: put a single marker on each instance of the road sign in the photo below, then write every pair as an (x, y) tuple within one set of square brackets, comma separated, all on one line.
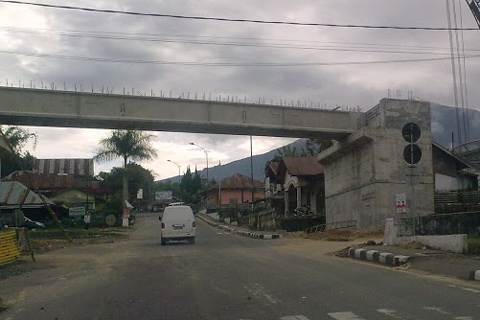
[(110, 220), (401, 200), (411, 153)]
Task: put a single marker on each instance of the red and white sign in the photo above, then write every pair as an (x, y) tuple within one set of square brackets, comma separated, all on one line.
[(401, 200)]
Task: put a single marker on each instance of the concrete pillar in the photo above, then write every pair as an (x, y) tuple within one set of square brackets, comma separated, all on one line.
[(299, 197), (313, 201), (285, 196)]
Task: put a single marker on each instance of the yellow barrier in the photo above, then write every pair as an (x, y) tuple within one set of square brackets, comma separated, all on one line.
[(9, 249)]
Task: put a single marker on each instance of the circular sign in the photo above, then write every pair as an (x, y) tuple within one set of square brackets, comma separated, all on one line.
[(412, 154), (411, 132), (110, 220)]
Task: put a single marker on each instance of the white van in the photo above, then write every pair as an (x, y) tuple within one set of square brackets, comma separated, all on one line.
[(178, 223)]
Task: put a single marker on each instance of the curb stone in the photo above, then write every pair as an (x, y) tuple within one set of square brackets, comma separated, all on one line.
[(379, 257), (240, 232), (474, 275)]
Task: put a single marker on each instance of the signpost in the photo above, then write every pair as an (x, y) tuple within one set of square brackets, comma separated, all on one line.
[(76, 211), (110, 221)]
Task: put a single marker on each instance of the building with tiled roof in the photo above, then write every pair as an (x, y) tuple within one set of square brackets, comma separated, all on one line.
[(235, 189)]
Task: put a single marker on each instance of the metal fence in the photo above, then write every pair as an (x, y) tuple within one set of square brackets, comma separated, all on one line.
[(441, 224), (332, 226)]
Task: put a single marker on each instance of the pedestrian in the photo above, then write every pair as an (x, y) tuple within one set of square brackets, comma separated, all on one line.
[(86, 219)]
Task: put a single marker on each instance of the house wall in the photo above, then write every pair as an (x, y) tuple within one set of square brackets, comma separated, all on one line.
[(242, 195), (364, 173)]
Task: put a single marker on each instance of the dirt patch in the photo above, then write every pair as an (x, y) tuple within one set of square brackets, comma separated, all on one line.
[(413, 245), (344, 235)]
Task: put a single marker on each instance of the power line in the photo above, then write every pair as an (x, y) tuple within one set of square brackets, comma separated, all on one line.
[(343, 47), (193, 39), (271, 22), (225, 64)]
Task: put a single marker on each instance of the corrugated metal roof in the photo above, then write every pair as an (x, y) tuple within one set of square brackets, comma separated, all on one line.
[(79, 167), (51, 181), (12, 194)]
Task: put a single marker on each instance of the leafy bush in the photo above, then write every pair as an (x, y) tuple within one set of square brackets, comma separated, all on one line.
[(473, 246)]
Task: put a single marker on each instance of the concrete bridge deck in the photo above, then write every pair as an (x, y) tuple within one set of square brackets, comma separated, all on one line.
[(41, 107)]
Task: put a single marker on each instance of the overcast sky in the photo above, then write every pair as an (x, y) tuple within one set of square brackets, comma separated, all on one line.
[(46, 45)]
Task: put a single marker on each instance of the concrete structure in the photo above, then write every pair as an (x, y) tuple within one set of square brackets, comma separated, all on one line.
[(452, 172), (366, 172), (93, 110), (455, 242)]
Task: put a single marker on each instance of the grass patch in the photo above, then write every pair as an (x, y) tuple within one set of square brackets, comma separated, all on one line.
[(473, 246)]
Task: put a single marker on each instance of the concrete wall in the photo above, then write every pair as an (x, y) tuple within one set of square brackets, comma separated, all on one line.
[(455, 243), (365, 171)]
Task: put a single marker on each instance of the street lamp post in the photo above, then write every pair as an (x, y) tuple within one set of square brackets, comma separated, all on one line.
[(206, 156), (178, 169), (179, 189)]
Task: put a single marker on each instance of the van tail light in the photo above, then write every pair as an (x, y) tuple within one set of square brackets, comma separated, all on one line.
[(163, 225), (193, 224)]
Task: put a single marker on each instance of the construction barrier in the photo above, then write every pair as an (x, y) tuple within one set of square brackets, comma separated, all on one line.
[(9, 248)]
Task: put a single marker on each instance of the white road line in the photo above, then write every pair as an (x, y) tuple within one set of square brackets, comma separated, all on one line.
[(344, 316), (463, 318), (388, 312), (438, 309), (297, 317), (470, 290), (257, 290)]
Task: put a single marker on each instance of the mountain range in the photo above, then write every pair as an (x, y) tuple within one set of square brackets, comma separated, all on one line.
[(444, 126)]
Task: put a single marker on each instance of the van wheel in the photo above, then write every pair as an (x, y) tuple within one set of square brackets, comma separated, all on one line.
[(163, 241), (192, 240)]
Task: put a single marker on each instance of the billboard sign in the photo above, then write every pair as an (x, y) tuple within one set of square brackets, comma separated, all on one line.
[(163, 195)]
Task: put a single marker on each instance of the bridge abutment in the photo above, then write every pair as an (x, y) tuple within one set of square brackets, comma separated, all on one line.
[(366, 173)]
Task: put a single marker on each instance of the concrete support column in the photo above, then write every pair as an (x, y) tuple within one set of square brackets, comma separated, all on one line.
[(313, 201), (299, 197), (285, 196)]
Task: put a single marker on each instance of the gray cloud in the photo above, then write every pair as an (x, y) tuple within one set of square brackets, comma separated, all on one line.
[(330, 86)]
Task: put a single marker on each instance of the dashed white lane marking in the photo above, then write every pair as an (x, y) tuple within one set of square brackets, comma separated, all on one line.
[(258, 291), (463, 318), (438, 309), (465, 288), (388, 312), (298, 317), (344, 316)]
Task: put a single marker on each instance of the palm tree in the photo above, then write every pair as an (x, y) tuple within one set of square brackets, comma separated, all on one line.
[(126, 144)]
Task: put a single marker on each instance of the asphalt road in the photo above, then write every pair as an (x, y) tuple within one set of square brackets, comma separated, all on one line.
[(225, 276)]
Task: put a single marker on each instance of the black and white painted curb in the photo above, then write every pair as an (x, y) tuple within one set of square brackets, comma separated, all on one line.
[(240, 232), (377, 256), (475, 275)]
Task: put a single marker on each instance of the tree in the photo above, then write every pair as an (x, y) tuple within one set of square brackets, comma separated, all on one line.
[(140, 178), (315, 146), (17, 137), (190, 184), (128, 145), (15, 159)]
